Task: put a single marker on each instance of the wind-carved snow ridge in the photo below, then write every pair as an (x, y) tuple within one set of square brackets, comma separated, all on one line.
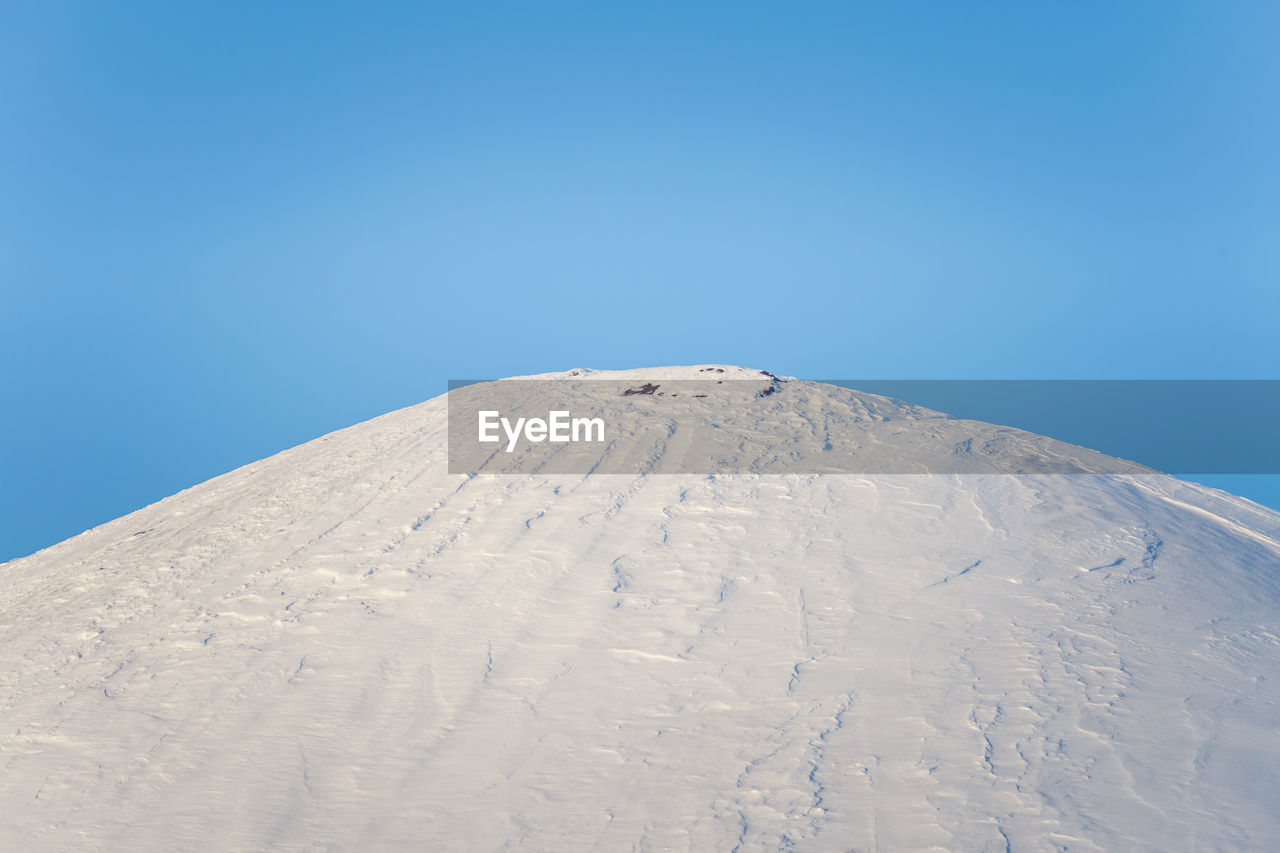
[(345, 647)]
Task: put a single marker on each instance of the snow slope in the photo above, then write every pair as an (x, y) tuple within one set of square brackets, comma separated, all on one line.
[(344, 647)]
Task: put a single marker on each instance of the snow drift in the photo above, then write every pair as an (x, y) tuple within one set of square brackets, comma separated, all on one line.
[(345, 647)]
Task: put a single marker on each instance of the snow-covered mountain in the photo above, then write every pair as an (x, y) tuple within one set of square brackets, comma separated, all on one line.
[(346, 647)]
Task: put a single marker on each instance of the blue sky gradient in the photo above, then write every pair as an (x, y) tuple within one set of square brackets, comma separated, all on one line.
[(229, 228)]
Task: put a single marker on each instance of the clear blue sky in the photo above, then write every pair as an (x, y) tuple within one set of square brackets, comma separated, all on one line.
[(227, 228)]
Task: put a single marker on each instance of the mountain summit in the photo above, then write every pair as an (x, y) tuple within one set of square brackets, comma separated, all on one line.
[(347, 647)]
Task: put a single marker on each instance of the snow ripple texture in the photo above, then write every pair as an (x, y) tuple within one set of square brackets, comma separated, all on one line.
[(343, 647)]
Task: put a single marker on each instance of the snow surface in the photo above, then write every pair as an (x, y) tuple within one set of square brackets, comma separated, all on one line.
[(343, 647)]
